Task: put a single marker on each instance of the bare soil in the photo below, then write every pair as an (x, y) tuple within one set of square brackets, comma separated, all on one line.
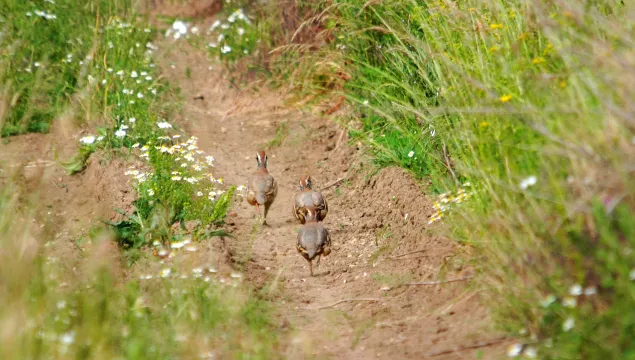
[(359, 306)]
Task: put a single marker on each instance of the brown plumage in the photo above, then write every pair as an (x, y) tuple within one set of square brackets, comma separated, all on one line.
[(263, 187), (313, 239), (308, 197)]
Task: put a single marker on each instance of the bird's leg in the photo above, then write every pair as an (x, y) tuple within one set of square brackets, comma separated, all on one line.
[(318, 262), (258, 210), (264, 219), (311, 267)]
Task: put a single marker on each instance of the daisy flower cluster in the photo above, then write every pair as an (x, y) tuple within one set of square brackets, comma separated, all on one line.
[(445, 201), (181, 29), (181, 175), (232, 38), (192, 164)]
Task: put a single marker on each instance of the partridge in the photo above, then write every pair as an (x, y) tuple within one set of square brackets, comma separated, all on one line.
[(313, 238), (263, 187), (309, 197)]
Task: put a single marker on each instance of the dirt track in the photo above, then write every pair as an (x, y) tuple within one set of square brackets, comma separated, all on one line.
[(378, 226)]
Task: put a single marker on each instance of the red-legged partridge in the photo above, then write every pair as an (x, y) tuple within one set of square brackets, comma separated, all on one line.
[(309, 197), (263, 188), (313, 238)]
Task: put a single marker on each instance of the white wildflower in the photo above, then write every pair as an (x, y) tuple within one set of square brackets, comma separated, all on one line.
[(164, 125), (240, 31), (120, 133), (140, 95), (150, 192), (568, 324), (225, 49), (166, 272), (87, 139), (68, 338), (530, 181), (216, 24), (411, 154), (548, 300), (180, 29), (514, 350), (177, 245), (132, 120), (575, 290)]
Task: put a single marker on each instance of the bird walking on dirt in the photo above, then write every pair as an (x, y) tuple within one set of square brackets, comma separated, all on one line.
[(263, 187), (313, 239), (308, 197)]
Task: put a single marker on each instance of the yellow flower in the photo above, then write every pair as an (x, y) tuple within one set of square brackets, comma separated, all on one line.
[(493, 48), (484, 124), (496, 26), (538, 60), (505, 98), (563, 84)]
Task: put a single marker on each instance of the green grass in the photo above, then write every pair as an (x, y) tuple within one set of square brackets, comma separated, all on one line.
[(282, 133), (531, 103), (57, 54)]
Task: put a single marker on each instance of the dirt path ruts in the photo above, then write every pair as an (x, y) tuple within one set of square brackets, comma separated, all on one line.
[(378, 229)]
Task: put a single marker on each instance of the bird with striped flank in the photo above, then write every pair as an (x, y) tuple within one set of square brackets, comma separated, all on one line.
[(314, 240), (309, 197), (263, 187)]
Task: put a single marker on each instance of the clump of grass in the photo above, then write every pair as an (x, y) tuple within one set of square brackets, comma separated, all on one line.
[(530, 103), (282, 132), (176, 185)]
